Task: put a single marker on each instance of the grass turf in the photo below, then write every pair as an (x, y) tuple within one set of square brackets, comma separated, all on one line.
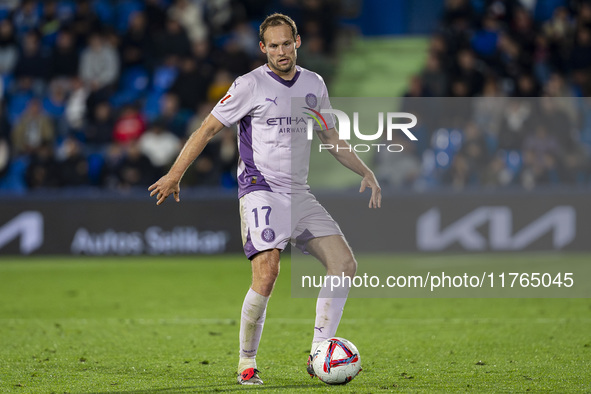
[(170, 325)]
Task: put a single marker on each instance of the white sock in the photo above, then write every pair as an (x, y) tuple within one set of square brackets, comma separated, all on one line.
[(329, 309), (251, 327)]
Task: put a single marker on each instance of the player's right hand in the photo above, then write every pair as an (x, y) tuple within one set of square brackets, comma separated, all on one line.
[(163, 188)]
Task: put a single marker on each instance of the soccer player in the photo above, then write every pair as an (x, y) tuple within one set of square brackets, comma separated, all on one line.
[(276, 206)]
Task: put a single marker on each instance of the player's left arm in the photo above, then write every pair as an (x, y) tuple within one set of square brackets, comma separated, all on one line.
[(349, 159)]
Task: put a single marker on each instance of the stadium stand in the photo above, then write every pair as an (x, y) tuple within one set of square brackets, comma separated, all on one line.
[(82, 81), (498, 53)]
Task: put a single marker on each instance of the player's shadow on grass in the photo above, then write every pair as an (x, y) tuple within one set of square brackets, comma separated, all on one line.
[(218, 389)]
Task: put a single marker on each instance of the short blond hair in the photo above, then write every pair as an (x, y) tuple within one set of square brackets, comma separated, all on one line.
[(277, 19)]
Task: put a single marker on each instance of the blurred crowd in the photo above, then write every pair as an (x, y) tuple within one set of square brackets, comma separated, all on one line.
[(487, 58), (103, 93)]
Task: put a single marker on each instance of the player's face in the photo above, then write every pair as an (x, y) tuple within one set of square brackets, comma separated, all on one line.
[(281, 49)]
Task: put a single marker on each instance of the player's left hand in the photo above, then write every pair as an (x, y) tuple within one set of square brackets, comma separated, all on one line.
[(370, 181), (163, 188)]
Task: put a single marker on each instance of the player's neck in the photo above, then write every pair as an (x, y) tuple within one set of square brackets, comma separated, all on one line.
[(288, 76)]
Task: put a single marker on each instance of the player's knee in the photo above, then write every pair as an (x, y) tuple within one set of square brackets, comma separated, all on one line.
[(265, 282), (350, 267), (269, 275), (266, 275)]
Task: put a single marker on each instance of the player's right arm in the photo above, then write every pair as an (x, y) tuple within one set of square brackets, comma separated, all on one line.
[(170, 183)]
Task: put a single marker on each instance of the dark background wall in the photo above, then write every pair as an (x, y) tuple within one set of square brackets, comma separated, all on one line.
[(476, 222)]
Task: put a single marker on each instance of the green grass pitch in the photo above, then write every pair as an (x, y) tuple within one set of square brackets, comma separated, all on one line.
[(170, 324)]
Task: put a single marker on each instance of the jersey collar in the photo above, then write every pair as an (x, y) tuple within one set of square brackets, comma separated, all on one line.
[(282, 81)]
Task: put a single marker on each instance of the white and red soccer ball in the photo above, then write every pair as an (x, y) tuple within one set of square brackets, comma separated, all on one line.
[(336, 361)]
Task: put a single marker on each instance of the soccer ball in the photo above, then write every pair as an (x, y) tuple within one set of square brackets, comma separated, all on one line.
[(336, 361)]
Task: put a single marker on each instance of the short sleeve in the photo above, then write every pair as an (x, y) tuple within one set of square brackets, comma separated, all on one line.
[(324, 103), (236, 103)]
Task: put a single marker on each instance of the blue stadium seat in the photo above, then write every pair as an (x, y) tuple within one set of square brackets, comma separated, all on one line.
[(513, 161), (96, 162), (544, 10), (163, 78), (135, 78), (133, 83), (66, 9), (124, 97), (17, 105), (124, 9), (445, 144), (52, 109), (104, 10), (14, 180), (151, 108)]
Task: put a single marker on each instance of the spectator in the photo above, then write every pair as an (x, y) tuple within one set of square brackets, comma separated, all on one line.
[(247, 39), (234, 58), (195, 121), (160, 146), (205, 170), (220, 85), (43, 170), (398, 169), (460, 174), (50, 23), (191, 84), (155, 15), (135, 169), (27, 17), (171, 117), (99, 131), (54, 105), (516, 120), (173, 41), (129, 126), (474, 148), (488, 110), (457, 9), (113, 156), (496, 174), (313, 57), (190, 16), (99, 63), (523, 29), (84, 23), (33, 131), (9, 51), (136, 45), (542, 64), (33, 62), (434, 76), (469, 71), (65, 58), (540, 158), (510, 62), (580, 58), (75, 111), (526, 86), (73, 166), (485, 41)]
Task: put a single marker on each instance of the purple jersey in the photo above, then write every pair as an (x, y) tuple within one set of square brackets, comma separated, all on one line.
[(272, 131)]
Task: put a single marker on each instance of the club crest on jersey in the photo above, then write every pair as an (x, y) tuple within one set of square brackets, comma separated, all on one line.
[(268, 235), (222, 101), (311, 100)]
